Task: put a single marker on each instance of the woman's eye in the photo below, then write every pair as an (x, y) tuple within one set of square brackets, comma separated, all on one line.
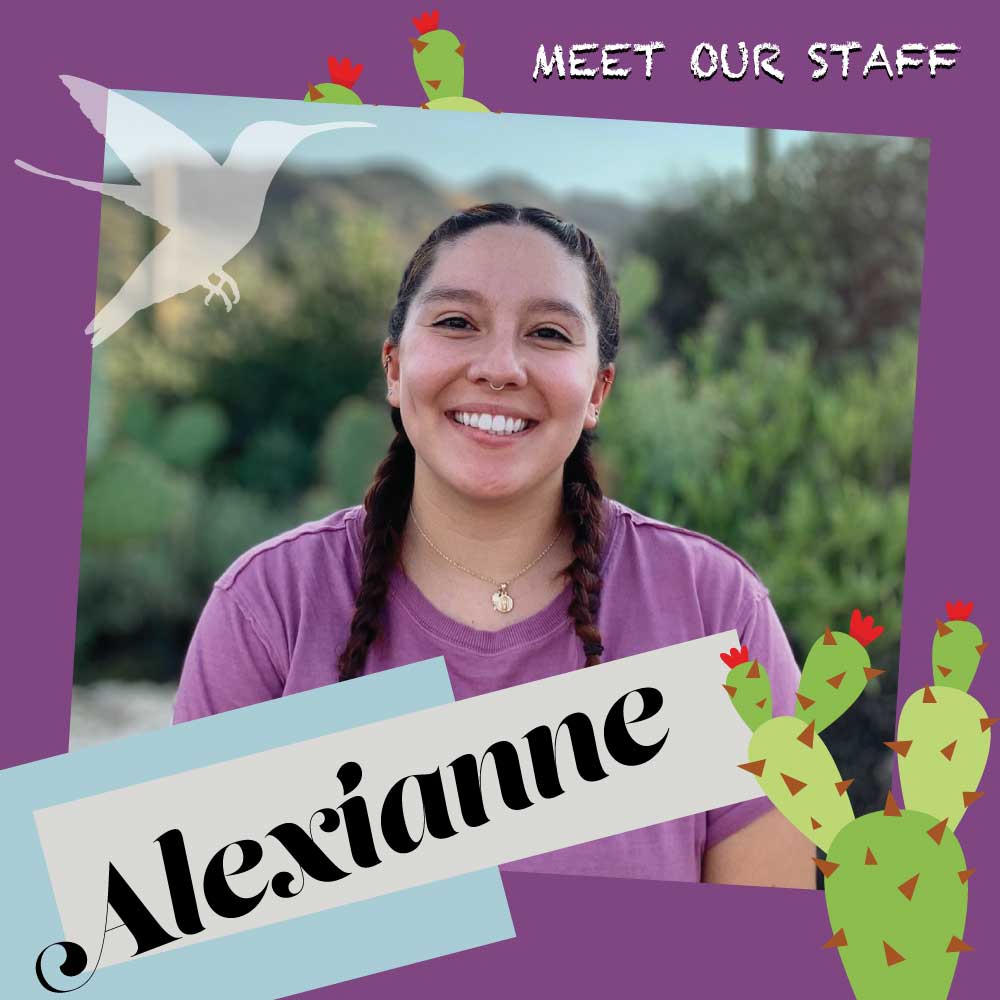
[(550, 333), (454, 323)]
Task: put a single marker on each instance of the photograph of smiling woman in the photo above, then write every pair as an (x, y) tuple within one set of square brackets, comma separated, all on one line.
[(485, 536)]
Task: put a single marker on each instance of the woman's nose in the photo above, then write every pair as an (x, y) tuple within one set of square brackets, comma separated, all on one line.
[(500, 362)]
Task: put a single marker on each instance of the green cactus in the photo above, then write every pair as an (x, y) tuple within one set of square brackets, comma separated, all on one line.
[(798, 775), (439, 59), (748, 685), (836, 672), (791, 763), (340, 90), (896, 890), (958, 646), (943, 736), (895, 881)]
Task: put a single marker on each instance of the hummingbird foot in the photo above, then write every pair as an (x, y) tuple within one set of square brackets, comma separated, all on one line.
[(219, 290), (227, 279)]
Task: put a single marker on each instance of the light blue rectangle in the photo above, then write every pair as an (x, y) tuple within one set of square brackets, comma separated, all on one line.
[(267, 962)]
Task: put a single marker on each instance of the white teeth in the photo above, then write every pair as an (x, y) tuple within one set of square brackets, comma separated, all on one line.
[(492, 423)]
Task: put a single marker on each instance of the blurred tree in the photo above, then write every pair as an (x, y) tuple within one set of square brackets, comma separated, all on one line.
[(828, 251)]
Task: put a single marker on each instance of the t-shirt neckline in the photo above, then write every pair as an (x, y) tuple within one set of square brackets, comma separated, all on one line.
[(553, 616)]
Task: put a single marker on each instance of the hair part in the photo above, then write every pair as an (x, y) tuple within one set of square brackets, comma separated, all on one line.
[(387, 502)]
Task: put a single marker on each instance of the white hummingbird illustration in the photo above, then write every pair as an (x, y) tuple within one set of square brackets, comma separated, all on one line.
[(214, 212)]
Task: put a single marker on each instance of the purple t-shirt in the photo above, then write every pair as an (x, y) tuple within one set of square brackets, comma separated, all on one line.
[(278, 618)]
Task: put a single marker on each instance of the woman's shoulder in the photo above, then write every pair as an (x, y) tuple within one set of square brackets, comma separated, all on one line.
[(659, 548), (321, 547)]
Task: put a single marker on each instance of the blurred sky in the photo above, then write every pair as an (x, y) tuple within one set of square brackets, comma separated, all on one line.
[(630, 160)]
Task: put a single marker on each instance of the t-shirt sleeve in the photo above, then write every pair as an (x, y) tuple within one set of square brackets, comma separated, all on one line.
[(228, 664), (767, 643)]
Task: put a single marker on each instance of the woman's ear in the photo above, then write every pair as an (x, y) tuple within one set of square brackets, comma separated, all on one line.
[(390, 364), (602, 386)]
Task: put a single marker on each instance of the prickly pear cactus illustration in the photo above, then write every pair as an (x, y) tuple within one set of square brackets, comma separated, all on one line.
[(896, 881), (897, 893), (943, 736), (439, 59), (788, 758), (836, 672), (343, 77)]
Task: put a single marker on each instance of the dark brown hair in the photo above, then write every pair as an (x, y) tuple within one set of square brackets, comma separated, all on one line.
[(387, 502)]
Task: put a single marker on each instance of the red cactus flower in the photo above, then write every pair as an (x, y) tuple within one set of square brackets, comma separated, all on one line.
[(864, 629), (958, 610), (343, 72), (735, 657), (426, 22)]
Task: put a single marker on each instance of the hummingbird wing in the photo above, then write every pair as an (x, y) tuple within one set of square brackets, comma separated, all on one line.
[(141, 138)]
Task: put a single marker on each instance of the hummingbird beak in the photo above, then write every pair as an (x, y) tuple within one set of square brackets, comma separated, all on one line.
[(333, 126)]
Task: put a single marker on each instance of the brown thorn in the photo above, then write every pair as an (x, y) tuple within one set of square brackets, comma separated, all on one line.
[(835, 682), (315, 94), (839, 940), (804, 701), (754, 766), (981, 648), (902, 747), (728, 687), (826, 867), (418, 45), (871, 672), (842, 786), (754, 671), (461, 49), (929, 698), (891, 809), (944, 670), (964, 876), (433, 83), (941, 627), (892, 957), (949, 751), (761, 703), (985, 724), (908, 887), (816, 824), (957, 944), (828, 639), (936, 832), (794, 785), (807, 734), (969, 797), (869, 857)]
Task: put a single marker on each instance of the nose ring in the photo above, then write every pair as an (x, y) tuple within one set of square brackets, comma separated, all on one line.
[(496, 388)]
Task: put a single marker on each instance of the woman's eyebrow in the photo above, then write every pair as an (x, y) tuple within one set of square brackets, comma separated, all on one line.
[(443, 293)]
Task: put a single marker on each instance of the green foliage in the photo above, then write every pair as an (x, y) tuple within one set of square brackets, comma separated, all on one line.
[(354, 440), (830, 251)]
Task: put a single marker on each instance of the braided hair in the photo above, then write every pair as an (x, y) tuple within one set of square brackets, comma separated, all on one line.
[(387, 502)]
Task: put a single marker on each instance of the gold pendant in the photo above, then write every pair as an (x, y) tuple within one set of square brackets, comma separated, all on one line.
[(502, 601)]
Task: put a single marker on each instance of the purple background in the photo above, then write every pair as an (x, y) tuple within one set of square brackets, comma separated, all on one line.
[(588, 936)]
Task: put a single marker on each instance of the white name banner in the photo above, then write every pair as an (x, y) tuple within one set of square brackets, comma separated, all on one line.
[(398, 803)]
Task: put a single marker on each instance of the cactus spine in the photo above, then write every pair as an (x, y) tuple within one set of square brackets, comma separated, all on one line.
[(896, 881)]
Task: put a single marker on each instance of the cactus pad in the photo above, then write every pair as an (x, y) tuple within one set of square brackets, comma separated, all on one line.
[(942, 743), (748, 685), (836, 672), (957, 648), (897, 896), (797, 773)]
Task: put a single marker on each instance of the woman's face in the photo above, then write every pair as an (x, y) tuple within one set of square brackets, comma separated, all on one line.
[(505, 305)]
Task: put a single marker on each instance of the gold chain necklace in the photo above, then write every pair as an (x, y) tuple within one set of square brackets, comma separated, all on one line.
[(502, 601)]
